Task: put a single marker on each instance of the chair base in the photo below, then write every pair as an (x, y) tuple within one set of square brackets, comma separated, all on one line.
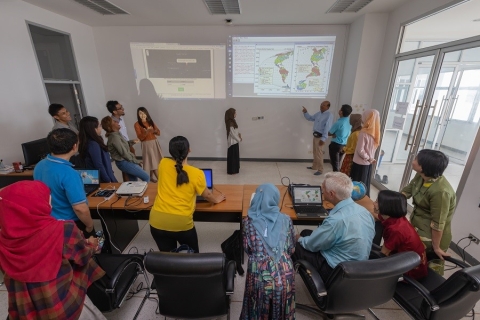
[(325, 316)]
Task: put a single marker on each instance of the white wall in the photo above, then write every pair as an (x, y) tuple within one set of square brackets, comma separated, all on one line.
[(283, 134), (23, 100), (466, 219)]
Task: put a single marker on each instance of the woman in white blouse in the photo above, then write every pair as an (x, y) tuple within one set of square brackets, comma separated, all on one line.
[(233, 139)]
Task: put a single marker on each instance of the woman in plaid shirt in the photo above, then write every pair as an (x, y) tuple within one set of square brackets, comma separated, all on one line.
[(47, 262)]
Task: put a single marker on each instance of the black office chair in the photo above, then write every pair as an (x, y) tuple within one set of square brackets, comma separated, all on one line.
[(121, 271), (437, 298), (192, 285), (355, 285)]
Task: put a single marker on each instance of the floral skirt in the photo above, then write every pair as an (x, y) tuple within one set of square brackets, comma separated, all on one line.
[(347, 164)]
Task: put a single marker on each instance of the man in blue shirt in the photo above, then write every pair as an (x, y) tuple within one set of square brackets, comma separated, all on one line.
[(322, 123), (69, 201), (339, 133), (345, 235)]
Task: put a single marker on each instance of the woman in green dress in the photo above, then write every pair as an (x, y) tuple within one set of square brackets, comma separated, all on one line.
[(434, 201)]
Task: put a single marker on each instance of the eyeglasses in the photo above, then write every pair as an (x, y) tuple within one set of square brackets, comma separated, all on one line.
[(121, 108)]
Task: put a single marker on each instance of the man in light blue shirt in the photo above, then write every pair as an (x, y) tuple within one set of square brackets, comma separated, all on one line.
[(322, 123), (345, 235), (339, 132)]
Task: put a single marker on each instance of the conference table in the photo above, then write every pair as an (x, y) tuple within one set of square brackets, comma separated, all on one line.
[(119, 216)]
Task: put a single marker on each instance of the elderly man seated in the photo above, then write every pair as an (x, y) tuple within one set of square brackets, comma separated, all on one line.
[(345, 235)]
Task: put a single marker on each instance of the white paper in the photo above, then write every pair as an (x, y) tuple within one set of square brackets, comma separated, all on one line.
[(402, 108), (251, 198), (398, 123)]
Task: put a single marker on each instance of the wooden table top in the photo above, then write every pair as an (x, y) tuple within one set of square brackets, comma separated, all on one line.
[(287, 208), (233, 202)]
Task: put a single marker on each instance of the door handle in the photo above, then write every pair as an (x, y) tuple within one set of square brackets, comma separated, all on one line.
[(417, 106), (430, 123)]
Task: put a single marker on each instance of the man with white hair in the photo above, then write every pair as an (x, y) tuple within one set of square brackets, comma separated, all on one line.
[(345, 235)]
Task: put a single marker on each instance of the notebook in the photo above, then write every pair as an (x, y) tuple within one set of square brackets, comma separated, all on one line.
[(307, 202), (132, 188), (90, 179), (209, 178)]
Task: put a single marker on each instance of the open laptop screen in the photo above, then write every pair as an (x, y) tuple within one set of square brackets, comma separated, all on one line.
[(307, 195), (208, 177), (89, 176)]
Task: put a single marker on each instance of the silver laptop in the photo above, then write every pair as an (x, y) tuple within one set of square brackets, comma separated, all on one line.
[(307, 202), (132, 188)]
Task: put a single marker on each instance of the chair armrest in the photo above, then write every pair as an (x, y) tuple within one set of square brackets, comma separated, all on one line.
[(229, 277), (423, 291), (315, 280), (457, 262)]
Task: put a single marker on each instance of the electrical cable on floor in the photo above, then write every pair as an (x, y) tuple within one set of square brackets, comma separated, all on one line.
[(105, 224)]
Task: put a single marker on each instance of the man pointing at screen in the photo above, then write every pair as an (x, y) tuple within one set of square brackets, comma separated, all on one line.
[(322, 121)]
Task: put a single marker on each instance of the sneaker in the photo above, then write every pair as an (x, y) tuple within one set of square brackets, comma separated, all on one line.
[(309, 168), (317, 173)]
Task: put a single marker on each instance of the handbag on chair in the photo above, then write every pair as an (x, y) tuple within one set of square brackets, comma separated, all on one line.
[(232, 249)]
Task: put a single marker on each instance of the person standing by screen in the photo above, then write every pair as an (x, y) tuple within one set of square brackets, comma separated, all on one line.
[(339, 133), (147, 133), (368, 141), (233, 140), (322, 123)]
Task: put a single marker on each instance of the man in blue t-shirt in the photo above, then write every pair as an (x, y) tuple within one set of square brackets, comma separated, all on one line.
[(339, 133), (69, 201)]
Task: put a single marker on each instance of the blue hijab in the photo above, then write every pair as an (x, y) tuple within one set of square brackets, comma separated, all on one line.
[(268, 220)]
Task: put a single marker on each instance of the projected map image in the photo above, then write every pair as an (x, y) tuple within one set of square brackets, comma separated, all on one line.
[(273, 69), (312, 69), (280, 66)]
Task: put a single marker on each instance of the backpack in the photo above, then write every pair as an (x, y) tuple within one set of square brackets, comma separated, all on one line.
[(231, 247)]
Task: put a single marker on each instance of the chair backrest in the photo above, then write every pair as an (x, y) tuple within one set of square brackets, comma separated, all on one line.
[(356, 285), (456, 296), (189, 285)]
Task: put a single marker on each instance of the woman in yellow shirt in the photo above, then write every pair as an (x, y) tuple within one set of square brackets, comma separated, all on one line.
[(349, 149), (171, 217)]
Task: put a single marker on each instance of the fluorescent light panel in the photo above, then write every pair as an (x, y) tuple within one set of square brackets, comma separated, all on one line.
[(348, 6), (102, 6)]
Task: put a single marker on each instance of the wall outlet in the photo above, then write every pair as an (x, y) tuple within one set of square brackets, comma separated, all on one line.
[(474, 238), (260, 118)]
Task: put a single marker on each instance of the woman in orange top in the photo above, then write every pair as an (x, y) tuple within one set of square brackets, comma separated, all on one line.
[(147, 133), (349, 149)]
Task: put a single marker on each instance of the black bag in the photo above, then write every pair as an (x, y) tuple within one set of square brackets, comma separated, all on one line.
[(317, 134), (232, 249)]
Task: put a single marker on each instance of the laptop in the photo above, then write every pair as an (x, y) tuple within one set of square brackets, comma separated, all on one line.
[(209, 178), (307, 202), (132, 188), (90, 179)]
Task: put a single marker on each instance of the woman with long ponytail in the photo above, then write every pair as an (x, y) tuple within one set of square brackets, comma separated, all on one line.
[(171, 217)]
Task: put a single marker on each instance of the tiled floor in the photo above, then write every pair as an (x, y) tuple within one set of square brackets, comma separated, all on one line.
[(210, 233)]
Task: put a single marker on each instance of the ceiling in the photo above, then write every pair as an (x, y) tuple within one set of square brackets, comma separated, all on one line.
[(195, 12)]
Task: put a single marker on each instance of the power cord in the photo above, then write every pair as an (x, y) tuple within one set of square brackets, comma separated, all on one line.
[(105, 224), (286, 190)]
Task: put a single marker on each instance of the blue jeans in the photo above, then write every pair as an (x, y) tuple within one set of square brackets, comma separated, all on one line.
[(132, 170)]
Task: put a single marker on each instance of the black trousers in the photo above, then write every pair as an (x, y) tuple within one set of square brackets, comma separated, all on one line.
[(334, 149), (167, 240), (315, 258), (233, 159)]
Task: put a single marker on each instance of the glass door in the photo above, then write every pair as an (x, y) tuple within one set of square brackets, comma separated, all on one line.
[(434, 104), (402, 118)]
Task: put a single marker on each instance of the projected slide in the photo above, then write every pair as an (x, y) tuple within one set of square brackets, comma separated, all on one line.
[(180, 71), (279, 66)]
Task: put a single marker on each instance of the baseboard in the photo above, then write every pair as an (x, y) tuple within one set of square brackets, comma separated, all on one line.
[(468, 258), (256, 159)]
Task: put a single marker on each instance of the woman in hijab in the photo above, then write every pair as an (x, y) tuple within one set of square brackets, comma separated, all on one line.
[(47, 262), (233, 139), (269, 241), (368, 141), (349, 149)]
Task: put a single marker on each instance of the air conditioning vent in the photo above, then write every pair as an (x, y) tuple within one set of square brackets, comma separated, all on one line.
[(348, 6), (223, 6), (102, 6)]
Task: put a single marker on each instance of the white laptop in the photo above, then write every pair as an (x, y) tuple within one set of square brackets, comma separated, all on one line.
[(132, 188)]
